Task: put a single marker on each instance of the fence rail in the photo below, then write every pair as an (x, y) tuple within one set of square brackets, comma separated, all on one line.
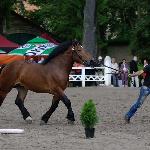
[(98, 76)]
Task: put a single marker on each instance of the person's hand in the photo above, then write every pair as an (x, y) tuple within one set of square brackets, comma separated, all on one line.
[(129, 75), (132, 75)]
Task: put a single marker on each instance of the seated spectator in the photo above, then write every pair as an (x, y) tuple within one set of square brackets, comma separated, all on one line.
[(77, 72)]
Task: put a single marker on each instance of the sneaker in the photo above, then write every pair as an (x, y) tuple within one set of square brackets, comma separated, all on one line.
[(127, 119)]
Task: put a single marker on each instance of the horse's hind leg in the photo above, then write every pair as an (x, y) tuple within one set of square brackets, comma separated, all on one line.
[(22, 92), (53, 107)]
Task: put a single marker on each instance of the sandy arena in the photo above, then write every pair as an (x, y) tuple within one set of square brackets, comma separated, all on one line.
[(111, 132)]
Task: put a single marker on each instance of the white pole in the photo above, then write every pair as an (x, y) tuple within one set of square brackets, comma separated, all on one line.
[(107, 72), (83, 76), (11, 131)]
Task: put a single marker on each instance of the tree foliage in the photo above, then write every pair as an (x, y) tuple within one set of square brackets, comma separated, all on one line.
[(88, 115), (119, 20), (64, 18), (139, 42), (125, 21)]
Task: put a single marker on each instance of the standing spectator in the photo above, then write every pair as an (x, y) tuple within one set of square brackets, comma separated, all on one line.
[(114, 71), (99, 72), (119, 75), (146, 62), (124, 73), (100, 61), (133, 69), (140, 67)]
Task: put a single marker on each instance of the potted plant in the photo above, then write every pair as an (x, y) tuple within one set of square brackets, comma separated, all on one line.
[(89, 118)]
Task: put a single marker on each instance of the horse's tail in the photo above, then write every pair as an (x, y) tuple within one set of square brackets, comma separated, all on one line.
[(2, 67)]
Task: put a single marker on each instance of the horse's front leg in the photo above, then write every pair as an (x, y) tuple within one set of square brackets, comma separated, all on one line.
[(67, 102), (53, 107), (22, 92)]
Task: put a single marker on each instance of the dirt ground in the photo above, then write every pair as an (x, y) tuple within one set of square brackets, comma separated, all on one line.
[(111, 132)]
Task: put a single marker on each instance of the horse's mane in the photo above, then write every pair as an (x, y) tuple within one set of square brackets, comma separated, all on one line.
[(2, 67), (59, 49)]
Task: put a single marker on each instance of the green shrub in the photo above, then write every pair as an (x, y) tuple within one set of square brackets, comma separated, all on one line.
[(88, 114)]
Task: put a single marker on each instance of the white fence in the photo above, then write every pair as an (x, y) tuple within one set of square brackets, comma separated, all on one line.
[(98, 76), (102, 75)]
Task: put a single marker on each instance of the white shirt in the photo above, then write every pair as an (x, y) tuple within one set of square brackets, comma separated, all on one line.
[(115, 68)]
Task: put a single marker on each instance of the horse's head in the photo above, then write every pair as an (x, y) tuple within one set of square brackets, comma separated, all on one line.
[(80, 55)]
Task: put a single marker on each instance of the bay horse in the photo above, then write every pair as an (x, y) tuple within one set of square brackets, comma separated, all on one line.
[(51, 76)]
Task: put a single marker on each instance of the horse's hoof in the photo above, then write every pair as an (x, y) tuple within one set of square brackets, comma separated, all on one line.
[(42, 123), (71, 122), (28, 120)]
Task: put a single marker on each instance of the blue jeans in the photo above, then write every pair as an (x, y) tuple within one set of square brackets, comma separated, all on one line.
[(115, 80), (144, 92)]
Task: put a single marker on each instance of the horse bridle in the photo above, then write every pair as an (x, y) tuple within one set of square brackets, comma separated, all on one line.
[(76, 52)]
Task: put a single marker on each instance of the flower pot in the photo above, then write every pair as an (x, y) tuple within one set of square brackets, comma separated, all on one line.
[(89, 132)]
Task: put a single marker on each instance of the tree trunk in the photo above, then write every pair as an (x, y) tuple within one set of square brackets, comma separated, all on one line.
[(89, 38), (1, 28)]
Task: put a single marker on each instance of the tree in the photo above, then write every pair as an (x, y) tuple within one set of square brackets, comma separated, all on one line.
[(89, 38), (118, 20), (140, 43), (63, 18)]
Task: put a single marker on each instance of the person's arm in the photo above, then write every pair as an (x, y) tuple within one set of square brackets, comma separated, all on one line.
[(136, 73), (117, 68)]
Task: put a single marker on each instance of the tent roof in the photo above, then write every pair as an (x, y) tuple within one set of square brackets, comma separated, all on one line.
[(38, 40), (34, 50), (6, 43), (2, 52), (20, 38), (48, 37)]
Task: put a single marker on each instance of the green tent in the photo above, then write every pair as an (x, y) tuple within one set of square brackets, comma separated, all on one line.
[(2, 52), (38, 40), (22, 49), (35, 47), (34, 50), (48, 51)]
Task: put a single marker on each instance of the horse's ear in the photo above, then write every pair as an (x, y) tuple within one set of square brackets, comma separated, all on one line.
[(75, 42)]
